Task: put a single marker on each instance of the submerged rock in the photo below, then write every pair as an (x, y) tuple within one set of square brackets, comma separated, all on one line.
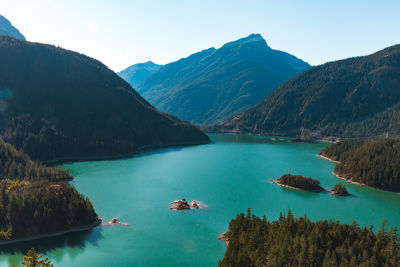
[(115, 221), (195, 205)]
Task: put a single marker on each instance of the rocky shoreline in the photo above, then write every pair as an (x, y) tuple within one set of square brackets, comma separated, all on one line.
[(328, 159), (224, 238), (59, 233)]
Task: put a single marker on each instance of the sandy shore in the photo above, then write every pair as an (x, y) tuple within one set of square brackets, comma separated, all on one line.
[(36, 237), (276, 181), (224, 237), (331, 160)]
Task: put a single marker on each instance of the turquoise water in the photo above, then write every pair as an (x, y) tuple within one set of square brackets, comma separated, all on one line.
[(229, 175)]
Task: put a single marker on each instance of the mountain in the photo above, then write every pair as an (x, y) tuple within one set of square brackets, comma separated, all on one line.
[(6, 28), (135, 74), (215, 84), (58, 104), (355, 97)]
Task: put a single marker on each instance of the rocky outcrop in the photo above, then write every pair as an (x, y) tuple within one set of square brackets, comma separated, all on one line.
[(184, 205)]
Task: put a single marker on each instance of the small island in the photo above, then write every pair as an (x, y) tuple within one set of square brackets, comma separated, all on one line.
[(339, 190), (184, 205), (115, 221), (299, 182)]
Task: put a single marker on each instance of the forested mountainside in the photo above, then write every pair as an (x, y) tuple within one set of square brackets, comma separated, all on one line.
[(215, 84), (56, 103), (136, 73), (34, 200), (354, 97), (6, 28), (291, 241), (374, 163)]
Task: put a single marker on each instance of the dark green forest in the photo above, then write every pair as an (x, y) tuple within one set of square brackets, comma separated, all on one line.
[(59, 104), (353, 98), (340, 190), (301, 182), (375, 163), (16, 164), (291, 241), (34, 200)]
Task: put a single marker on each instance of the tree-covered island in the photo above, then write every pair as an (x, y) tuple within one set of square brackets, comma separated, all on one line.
[(299, 182), (339, 190)]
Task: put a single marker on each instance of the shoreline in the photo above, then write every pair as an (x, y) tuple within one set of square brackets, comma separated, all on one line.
[(328, 159), (119, 156), (276, 181), (224, 238), (350, 181), (55, 234)]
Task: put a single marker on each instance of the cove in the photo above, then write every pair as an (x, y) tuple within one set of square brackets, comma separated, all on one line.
[(229, 175)]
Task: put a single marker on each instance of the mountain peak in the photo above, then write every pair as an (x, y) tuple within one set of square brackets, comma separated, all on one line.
[(6, 28), (252, 38)]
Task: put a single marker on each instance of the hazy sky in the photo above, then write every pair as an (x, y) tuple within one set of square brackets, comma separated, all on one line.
[(123, 32)]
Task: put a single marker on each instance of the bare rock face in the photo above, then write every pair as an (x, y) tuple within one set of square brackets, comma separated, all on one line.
[(195, 205), (180, 205), (184, 205)]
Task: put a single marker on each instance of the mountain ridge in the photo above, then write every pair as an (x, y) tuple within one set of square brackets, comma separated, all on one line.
[(136, 73), (214, 84), (58, 104), (6, 28), (344, 98)]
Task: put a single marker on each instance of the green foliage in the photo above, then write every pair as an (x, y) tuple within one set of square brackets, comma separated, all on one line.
[(375, 163), (354, 97), (42, 207), (299, 181), (33, 202), (292, 241), (215, 84), (340, 189), (66, 105), (5, 234), (32, 259)]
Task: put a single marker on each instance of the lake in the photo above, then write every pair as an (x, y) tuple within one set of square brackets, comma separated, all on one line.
[(229, 175)]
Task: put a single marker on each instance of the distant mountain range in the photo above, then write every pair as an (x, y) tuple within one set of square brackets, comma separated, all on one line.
[(6, 28), (135, 74), (355, 97), (58, 104), (215, 84)]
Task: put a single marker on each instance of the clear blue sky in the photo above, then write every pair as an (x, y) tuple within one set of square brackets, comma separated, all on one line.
[(123, 32)]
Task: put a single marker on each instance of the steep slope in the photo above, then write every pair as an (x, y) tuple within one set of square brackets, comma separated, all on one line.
[(56, 103), (215, 84), (135, 74), (6, 28), (355, 97)]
